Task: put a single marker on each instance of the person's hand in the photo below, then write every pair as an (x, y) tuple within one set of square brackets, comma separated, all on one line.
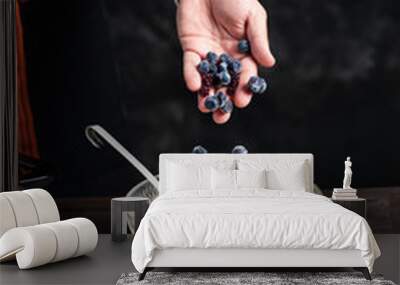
[(218, 25)]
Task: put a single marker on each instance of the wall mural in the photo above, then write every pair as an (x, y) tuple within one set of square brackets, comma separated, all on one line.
[(334, 91)]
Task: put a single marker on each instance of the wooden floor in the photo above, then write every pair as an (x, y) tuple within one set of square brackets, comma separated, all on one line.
[(110, 259), (103, 266)]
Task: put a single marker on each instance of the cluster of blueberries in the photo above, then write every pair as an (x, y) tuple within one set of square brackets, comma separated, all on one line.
[(239, 149), (223, 72)]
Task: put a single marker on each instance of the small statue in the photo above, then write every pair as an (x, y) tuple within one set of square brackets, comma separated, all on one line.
[(348, 173)]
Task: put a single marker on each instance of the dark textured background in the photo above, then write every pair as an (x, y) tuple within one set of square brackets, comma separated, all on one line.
[(334, 91)]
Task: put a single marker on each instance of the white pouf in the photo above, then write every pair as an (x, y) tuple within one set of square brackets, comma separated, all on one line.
[(31, 231), (37, 245)]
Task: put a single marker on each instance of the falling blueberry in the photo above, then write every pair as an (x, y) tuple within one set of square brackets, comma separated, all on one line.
[(211, 103), (244, 46), (204, 66), (239, 149), (228, 107), (199, 149), (212, 57)]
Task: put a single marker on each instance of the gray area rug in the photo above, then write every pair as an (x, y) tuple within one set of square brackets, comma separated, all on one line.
[(233, 278)]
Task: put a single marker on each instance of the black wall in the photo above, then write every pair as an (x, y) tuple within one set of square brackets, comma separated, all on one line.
[(334, 91)]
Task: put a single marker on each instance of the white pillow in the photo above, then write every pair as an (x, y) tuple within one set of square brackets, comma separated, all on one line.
[(281, 174), (223, 179), (251, 178), (188, 177), (290, 179)]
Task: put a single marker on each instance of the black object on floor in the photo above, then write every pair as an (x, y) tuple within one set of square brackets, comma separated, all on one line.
[(120, 207)]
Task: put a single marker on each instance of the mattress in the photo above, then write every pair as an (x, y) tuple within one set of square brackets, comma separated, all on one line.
[(251, 219)]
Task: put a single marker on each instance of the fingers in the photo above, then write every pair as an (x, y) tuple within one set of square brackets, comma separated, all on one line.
[(200, 104), (242, 95), (220, 117), (257, 34), (190, 73)]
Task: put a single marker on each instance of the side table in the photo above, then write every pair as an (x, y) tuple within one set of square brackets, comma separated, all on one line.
[(358, 206), (119, 214)]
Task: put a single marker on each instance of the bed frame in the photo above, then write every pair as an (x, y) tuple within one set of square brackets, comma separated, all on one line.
[(242, 259)]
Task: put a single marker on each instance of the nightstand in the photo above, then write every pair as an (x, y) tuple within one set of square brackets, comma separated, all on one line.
[(120, 207), (358, 206)]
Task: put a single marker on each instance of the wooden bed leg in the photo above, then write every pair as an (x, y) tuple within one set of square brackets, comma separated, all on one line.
[(364, 271), (143, 274)]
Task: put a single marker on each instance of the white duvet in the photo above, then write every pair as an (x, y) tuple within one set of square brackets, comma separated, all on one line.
[(253, 218)]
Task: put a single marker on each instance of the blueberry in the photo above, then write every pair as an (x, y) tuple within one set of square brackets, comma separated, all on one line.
[(199, 149), (263, 84), (213, 69), (223, 66), (212, 57), (257, 84), (236, 66), (239, 149), (244, 46), (224, 78), (225, 58), (204, 66), (228, 107), (211, 103), (253, 79), (222, 98), (254, 86)]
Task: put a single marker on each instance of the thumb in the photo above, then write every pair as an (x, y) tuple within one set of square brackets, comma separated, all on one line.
[(257, 33)]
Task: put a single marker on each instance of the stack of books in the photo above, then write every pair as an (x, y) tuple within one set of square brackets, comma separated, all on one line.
[(344, 194)]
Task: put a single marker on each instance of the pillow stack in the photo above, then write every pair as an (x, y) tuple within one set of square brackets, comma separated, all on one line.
[(290, 175), (31, 231), (194, 175), (239, 174)]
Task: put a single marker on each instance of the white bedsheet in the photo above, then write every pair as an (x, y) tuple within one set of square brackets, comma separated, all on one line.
[(251, 218)]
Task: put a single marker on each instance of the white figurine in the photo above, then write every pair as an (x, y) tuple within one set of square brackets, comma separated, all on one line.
[(348, 173)]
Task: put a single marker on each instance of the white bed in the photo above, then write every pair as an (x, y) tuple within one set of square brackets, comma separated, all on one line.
[(272, 226)]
